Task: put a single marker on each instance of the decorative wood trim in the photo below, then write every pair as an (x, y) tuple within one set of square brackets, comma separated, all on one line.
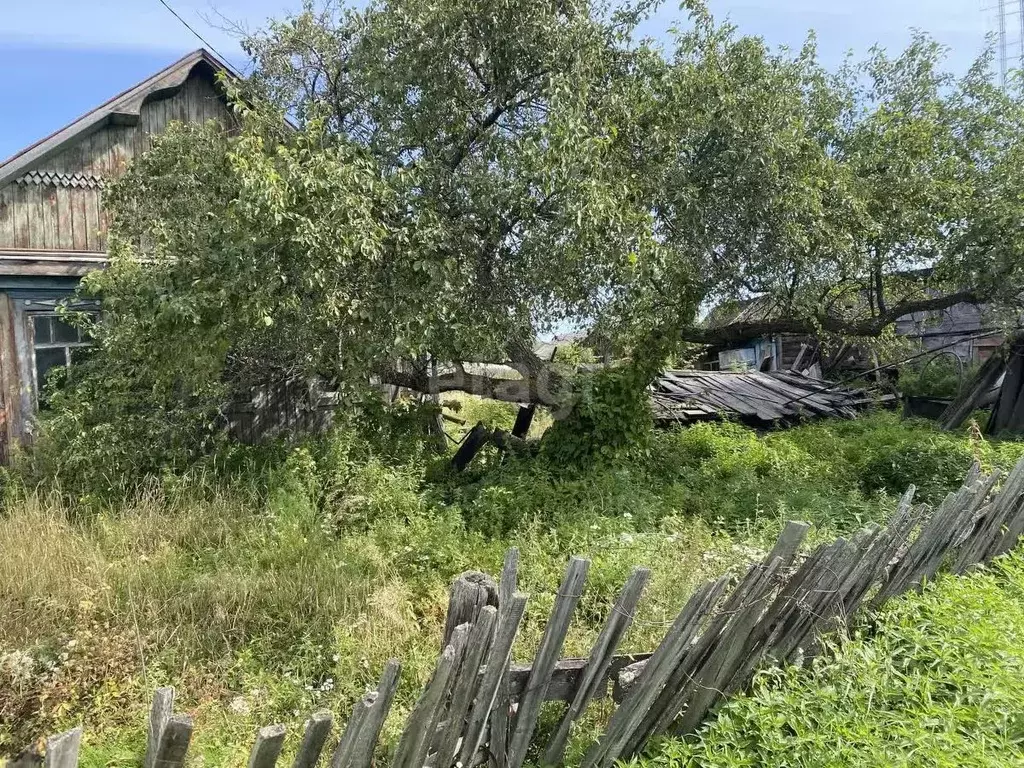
[(122, 109), (50, 263), (55, 179)]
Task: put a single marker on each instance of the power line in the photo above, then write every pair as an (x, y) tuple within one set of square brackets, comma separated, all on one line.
[(191, 29), (1007, 22)]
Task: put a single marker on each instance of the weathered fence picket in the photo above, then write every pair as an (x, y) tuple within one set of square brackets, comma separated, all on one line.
[(318, 728), (62, 750), (599, 661), (266, 750), (569, 593), (478, 707)]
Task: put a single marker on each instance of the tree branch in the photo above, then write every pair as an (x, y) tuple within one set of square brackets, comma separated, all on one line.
[(815, 323), (544, 386)]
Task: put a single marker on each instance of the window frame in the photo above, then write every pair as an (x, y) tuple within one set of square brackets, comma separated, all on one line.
[(67, 346)]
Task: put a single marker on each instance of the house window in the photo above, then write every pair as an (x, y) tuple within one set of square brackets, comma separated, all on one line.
[(54, 343)]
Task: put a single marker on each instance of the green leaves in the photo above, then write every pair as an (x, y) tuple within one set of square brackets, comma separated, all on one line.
[(448, 180)]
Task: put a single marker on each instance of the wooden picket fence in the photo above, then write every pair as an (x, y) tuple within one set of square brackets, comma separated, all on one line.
[(478, 708)]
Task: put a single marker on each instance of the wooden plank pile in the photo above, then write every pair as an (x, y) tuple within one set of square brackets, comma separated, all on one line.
[(759, 399), (477, 708), (1003, 372)]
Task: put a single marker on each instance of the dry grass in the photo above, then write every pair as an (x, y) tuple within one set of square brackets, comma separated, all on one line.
[(49, 572), (234, 599)]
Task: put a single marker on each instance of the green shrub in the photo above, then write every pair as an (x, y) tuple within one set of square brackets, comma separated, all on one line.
[(609, 421), (104, 432), (939, 683), (935, 466), (941, 377)]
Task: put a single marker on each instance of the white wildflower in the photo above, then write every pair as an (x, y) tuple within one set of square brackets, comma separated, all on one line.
[(239, 706)]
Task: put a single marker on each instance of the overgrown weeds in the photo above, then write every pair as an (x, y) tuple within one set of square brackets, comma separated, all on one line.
[(939, 683), (264, 592)]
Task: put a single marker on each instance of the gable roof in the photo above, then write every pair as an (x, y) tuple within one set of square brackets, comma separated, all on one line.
[(123, 109)]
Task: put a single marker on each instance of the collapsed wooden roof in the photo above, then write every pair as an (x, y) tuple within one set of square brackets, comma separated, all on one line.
[(774, 398)]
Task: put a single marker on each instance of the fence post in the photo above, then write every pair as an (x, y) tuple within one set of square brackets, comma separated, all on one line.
[(470, 592), (62, 750)]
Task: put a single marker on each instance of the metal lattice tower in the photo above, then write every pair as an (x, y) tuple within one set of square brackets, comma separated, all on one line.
[(1007, 22)]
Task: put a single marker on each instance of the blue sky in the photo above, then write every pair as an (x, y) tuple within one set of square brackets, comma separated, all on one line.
[(60, 58)]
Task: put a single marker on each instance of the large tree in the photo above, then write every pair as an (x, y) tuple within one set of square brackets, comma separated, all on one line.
[(849, 199), (424, 184)]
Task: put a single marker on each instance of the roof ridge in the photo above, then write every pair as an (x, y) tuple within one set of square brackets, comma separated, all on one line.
[(128, 101)]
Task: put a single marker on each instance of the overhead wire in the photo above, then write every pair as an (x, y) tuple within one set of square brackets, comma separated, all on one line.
[(192, 29)]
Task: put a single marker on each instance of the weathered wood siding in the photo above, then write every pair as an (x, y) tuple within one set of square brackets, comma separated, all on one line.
[(57, 205), (963, 329)]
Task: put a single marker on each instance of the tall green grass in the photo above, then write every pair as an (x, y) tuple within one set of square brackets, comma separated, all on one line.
[(937, 681), (275, 585)]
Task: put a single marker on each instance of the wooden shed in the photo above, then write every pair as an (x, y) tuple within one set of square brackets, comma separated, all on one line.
[(962, 329), (53, 227)]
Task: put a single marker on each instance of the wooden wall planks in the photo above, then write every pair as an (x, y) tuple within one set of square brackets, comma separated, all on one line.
[(70, 217), (7, 214)]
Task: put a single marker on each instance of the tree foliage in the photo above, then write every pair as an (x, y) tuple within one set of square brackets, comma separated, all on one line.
[(847, 200), (419, 185)]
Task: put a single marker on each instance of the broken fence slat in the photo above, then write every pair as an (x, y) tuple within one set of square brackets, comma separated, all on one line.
[(415, 733), (318, 728), (788, 543), (569, 593), (460, 641), (600, 659), (722, 663), (502, 703), (465, 687), (495, 672), (658, 680), (174, 741), (509, 576), (634, 707), (266, 750), (62, 750), (360, 712), (360, 753), (160, 712), (498, 725)]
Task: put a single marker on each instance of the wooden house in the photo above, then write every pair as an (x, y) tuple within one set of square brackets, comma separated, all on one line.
[(53, 227), (961, 329)]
